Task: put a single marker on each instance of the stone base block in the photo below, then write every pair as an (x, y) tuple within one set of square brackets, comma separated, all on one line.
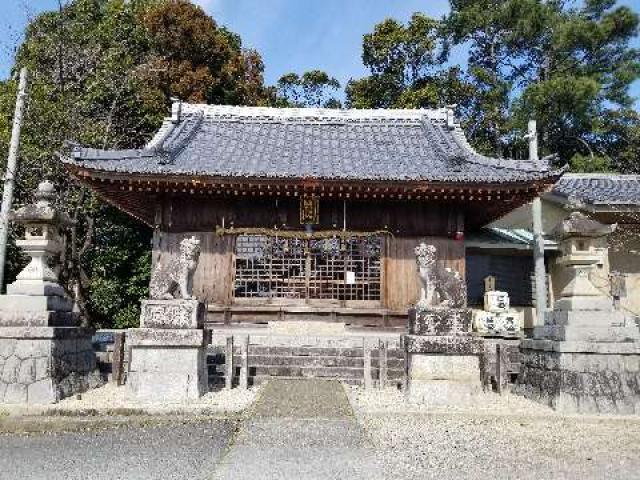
[(588, 326), (187, 314), (35, 303), (578, 377), (596, 303), (443, 344), (13, 318), (42, 365), (35, 288), (167, 365), (443, 379), (440, 321)]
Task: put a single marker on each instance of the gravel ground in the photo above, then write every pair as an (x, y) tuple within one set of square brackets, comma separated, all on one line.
[(179, 450), (502, 438), (113, 399)]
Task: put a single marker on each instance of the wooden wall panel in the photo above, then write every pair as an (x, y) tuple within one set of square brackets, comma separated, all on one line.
[(213, 280), (400, 270)]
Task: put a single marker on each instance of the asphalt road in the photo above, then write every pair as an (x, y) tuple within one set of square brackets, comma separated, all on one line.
[(177, 450)]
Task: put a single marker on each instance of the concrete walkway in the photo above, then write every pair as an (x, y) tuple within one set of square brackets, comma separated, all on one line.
[(300, 429)]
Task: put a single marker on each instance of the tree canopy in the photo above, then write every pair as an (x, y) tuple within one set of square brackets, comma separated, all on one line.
[(569, 67), (408, 67), (103, 73), (311, 89)]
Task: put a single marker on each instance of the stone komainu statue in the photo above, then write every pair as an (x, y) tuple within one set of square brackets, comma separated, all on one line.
[(174, 279), (440, 287)]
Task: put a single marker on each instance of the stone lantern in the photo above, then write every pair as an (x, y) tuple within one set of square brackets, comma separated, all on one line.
[(43, 243), (586, 356), (44, 355), (579, 236)]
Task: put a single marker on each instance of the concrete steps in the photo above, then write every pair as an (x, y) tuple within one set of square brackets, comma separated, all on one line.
[(340, 358)]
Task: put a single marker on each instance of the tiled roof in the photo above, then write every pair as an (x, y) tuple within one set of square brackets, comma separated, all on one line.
[(599, 188), (386, 145)]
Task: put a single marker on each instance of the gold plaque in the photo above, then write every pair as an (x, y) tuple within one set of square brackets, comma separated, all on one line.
[(309, 210)]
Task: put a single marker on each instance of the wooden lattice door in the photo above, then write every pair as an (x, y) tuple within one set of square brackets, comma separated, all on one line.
[(327, 269)]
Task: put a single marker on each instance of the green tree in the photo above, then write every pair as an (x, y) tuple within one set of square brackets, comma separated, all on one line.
[(311, 89), (575, 73), (407, 65), (569, 67), (103, 73), (490, 29)]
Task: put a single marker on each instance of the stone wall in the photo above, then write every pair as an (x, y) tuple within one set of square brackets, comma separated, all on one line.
[(582, 382), (45, 370)]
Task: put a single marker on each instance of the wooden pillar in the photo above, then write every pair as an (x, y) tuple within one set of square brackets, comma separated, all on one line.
[(368, 377), (382, 362), (229, 363), (244, 368), (117, 362), (499, 368)]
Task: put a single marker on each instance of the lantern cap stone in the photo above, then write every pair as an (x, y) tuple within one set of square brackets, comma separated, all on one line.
[(40, 211), (577, 224)]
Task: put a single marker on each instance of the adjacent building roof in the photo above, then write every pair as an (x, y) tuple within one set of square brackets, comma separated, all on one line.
[(599, 189), (351, 145), (493, 238)]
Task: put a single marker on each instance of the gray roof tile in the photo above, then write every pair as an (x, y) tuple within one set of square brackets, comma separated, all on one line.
[(387, 145), (600, 188)]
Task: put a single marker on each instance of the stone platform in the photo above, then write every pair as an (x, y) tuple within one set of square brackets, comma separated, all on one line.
[(41, 365), (582, 376)]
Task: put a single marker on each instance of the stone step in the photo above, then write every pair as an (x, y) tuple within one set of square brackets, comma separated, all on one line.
[(262, 379), (309, 371), (306, 372), (332, 358), (306, 351), (318, 341), (331, 361)]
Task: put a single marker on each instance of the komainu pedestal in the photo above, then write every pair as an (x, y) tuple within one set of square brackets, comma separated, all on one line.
[(168, 361), (443, 366), (586, 358), (44, 355)]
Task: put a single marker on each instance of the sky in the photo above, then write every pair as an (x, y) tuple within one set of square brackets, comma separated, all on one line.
[(291, 35)]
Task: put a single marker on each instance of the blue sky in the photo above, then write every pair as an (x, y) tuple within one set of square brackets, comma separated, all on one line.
[(291, 35)]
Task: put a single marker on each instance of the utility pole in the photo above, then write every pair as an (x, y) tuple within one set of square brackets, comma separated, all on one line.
[(9, 176), (538, 235)]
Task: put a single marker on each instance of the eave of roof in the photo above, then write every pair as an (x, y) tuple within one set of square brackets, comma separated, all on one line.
[(492, 238)]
